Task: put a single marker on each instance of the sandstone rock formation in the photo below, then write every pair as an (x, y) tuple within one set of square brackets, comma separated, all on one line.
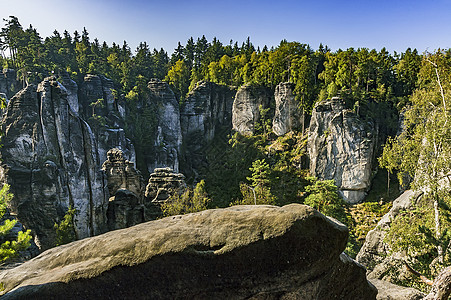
[(242, 252), (206, 113), (376, 257), (341, 146), (288, 114), (126, 189), (390, 291), (71, 88), (374, 251), (163, 183), (168, 140), (245, 110), (121, 174), (50, 160), (99, 89)]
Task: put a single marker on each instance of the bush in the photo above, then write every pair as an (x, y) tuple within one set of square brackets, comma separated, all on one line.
[(188, 202), (10, 249)]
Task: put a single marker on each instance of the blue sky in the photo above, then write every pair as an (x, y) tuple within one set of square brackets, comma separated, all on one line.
[(396, 25)]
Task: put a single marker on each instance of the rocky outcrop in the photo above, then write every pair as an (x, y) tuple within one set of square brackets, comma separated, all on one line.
[(121, 174), (341, 146), (288, 115), (8, 83), (390, 291), (71, 88), (99, 89), (242, 252), (168, 139), (163, 183), (245, 110), (50, 161), (126, 190), (374, 251), (206, 113)]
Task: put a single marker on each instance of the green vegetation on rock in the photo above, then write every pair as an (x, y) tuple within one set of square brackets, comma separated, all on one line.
[(65, 231), (10, 248)]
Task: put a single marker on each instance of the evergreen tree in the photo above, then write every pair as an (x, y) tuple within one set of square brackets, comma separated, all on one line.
[(10, 248)]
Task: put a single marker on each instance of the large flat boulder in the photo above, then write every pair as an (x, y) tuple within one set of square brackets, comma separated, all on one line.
[(241, 252)]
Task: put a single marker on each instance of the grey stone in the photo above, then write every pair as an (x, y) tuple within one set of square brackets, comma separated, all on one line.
[(50, 161), (206, 113), (8, 83), (341, 146), (288, 115), (390, 291), (245, 110), (374, 251), (242, 252), (168, 139)]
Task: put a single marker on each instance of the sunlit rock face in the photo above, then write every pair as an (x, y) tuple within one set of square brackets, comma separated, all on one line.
[(241, 252), (288, 115), (245, 110), (341, 146)]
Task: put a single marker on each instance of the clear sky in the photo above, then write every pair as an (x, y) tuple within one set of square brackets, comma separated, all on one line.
[(394, 24)]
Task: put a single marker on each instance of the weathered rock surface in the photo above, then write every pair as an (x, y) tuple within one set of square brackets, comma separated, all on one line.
[(126, 190), (288, 115), (163, 183), (390, 291), (50, 161), (168, 140), (245, 110), (242, 252), (72, 91), (206, 113), (99, 89), (374, 251), (341, 146), (376, 257), (121, 174)]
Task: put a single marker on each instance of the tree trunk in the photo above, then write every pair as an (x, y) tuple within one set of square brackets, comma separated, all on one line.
[(441, 289), (437, 230), (388, 184)]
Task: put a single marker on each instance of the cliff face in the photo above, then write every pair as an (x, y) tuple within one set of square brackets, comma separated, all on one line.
[(245, 110), (206, 113), (288, 114), (242, 252), (166, 152), (50, 160), (341, 147), (99, 89)]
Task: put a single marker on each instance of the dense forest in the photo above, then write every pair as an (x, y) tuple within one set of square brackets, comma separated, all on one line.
[(373, 83)]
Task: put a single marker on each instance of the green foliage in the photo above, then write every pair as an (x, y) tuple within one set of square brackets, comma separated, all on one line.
[(422, 151), (259, 191), (10, 249), (188, 202), (323, 196), (65, 231)]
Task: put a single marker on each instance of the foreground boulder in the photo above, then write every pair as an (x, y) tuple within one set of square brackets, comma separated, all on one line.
[(242, 252)]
